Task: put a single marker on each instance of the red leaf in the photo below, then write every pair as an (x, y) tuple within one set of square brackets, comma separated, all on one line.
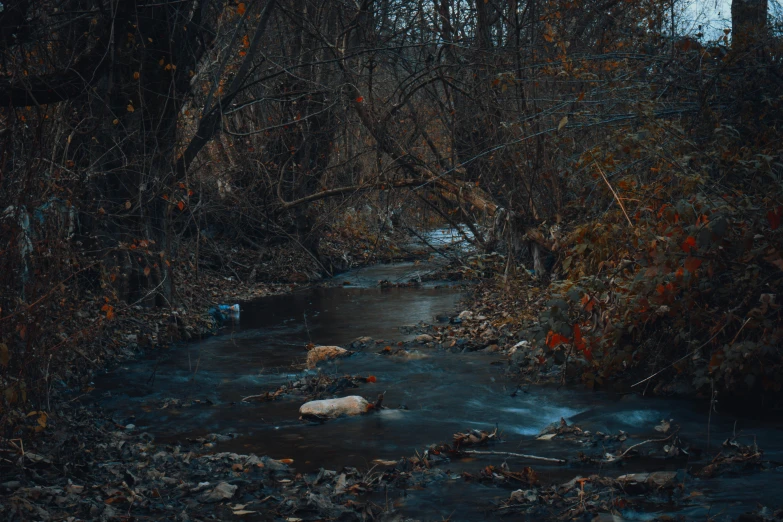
[(371, 378), (774, 217), (181, 205), (554, 339), (360, 99), (692, 263), (689, 244), (579, 342)]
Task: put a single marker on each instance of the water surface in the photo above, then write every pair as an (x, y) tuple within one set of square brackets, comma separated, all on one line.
[(430, 397)]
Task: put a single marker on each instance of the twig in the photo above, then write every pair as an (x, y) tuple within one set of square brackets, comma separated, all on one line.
[(687, 354), (713, 394), (614, 193), (517, 455), (244, 399), (644, 442)]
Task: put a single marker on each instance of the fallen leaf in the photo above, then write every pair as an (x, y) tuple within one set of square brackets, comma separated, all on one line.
[(222, 491), (692, 264), (774, 217), (689, 244), (663, 427)]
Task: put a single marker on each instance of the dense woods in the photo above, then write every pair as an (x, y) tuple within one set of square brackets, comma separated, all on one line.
[(632, 160)]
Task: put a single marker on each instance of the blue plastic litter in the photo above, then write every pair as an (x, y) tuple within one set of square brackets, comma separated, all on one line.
[(224, 312)]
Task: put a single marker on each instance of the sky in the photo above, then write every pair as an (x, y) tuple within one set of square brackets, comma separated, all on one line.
[(714, 16)]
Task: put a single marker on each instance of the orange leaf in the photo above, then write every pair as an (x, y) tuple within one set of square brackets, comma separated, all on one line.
[(147, 271), (360, 99), (181, 205), (689, 244), (371, 378), (241, 9), (109, 309), (692, 263), (588, 302)]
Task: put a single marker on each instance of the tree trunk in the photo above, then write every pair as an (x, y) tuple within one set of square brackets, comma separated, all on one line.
[(748, 21)]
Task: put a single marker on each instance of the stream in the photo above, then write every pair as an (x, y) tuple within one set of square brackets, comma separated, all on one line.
[(428, 398)]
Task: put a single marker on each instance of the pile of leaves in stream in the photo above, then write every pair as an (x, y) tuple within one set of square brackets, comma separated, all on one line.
[(313, 387), (598, 495)]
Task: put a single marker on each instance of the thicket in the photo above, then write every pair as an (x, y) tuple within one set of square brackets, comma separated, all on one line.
[(631, 160)]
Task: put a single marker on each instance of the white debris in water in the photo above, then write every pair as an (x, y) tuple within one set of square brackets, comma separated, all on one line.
[(333, 408)]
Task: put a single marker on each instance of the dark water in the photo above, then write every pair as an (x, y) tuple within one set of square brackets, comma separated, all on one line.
[(444, 393)]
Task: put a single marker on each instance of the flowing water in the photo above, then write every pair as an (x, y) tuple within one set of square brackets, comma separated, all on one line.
[(429, 398)]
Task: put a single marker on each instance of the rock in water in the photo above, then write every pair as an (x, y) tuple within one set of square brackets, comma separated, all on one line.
[(324, 353), (333, 408)]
